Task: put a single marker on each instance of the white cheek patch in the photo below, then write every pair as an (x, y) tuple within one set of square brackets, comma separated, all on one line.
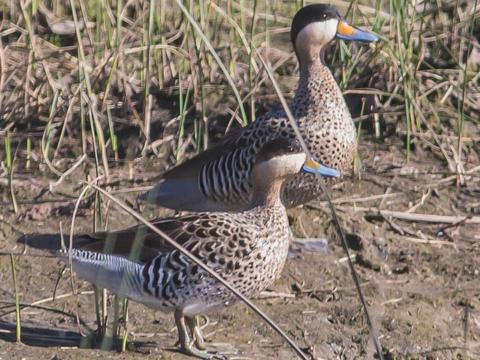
[(291, 163), (316, 34), (282, 165), (298, 160)]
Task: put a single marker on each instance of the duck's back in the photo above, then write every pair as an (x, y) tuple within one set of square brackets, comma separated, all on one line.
[(220, 179)]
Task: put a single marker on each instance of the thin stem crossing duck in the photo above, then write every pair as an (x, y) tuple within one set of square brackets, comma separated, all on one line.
[(214, 181), (248, 249)]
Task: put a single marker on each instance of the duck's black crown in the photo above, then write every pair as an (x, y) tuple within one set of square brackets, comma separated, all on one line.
[(309, 14), (278, 147)]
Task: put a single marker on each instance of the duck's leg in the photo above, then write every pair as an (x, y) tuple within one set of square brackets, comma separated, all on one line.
[(218, 349), (194, 326), (186, 344)]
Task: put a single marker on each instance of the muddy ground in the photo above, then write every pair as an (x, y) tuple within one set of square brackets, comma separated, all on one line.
[(421, 280)]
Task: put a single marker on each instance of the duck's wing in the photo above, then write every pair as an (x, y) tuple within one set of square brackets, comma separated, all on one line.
[(193, 165), (217, 179), (140, 243)]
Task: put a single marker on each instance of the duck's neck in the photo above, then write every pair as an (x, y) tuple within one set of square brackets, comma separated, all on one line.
[(314, 70), (266, 193), (310, 61), (316, 87)]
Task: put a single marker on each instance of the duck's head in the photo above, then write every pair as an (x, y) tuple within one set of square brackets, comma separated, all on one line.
[(281, 158), (314, 26)]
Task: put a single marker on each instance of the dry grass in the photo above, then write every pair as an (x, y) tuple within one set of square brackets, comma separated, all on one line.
[(69, 89)]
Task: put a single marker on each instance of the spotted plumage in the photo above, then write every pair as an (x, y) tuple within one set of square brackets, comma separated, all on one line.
[(221, 179), (248, 249)]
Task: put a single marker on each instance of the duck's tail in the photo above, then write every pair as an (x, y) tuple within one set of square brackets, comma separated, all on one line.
[(117, 274)]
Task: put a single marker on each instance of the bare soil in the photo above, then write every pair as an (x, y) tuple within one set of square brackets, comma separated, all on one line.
[(424, 295)]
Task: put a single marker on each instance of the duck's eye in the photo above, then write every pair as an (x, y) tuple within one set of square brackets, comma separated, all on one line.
[(291, 148)]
